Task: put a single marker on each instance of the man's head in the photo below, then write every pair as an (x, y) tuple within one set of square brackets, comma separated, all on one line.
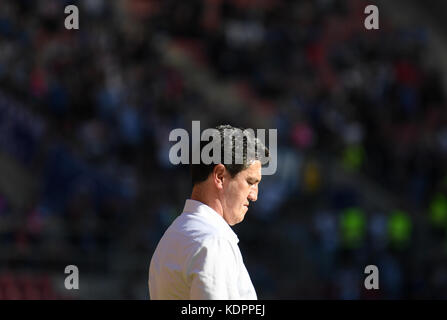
[(230, 187)]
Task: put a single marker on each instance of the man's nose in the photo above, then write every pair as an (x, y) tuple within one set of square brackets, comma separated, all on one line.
[(253, 195)]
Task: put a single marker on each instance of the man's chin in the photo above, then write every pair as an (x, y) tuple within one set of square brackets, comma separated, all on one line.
[(239, 220), (242, 216)]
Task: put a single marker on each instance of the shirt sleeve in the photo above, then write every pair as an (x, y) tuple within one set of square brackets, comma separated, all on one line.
[(213, 271)]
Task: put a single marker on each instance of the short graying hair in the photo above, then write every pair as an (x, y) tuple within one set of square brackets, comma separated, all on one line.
[(245, 148)]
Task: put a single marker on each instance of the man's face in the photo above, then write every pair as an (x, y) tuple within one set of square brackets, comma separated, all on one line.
[(239, 191)]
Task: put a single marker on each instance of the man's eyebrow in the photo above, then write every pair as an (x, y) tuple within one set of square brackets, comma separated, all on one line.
[(253, 180)]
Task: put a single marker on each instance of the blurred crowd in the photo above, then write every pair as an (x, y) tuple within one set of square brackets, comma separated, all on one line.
[(88, 114)]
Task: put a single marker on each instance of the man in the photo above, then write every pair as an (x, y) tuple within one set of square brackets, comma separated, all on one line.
[(198, 256)]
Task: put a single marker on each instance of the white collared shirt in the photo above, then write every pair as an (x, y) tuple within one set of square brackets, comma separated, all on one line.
[(198, 258)]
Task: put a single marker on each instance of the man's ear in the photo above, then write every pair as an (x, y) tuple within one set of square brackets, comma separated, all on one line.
[(218, 175)]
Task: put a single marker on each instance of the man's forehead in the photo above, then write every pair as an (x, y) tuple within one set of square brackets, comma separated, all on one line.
[(254, 170)]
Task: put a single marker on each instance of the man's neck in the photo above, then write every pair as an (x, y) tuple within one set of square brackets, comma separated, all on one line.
[(207, 198)]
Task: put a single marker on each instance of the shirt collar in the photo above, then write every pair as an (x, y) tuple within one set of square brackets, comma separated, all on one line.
[(211, 216)]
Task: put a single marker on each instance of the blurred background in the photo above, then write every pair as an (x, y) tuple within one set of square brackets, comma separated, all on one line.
[(85, 116)]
